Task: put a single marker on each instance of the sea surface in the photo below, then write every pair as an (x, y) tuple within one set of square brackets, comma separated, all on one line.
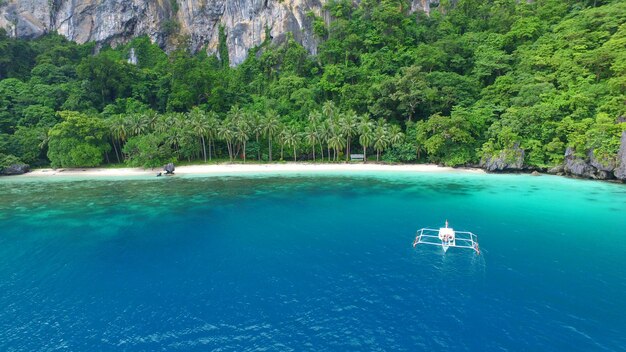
[(319, 262)]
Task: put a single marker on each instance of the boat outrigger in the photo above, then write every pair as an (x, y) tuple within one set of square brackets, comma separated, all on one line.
[(447, 237)]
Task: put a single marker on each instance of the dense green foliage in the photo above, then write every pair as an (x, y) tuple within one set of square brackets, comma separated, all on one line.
[(465, 82), (78, 140)]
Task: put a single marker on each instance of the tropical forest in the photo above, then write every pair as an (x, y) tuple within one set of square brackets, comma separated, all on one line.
[(466, 82)]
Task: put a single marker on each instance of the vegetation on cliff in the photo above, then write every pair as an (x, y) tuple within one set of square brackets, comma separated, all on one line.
[(469, 81)]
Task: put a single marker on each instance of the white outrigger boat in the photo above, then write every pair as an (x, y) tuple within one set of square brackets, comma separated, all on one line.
[(446, 237)]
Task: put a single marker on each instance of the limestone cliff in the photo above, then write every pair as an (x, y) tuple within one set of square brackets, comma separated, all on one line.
[(620, 170), (506, 160), (117, 21)]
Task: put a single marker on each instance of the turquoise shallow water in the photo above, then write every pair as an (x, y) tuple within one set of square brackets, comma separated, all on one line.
[(317, 262)]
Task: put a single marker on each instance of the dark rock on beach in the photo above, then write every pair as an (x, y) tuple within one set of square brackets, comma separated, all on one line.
[(169, 169), (15, 169)]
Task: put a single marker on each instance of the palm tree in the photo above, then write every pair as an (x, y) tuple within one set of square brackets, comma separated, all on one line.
[(366, 138), (329, 110), (212, 127), (282, 139), (173, 139), (177, 131), (291, 139), (323, 132), (381, 140), (138, 124), (336, 142), (225, 133), (348, 127), (395, 135), (333, 129), (151, 119), (326, 131), (163, 123), (314, 118), (186, 138), (117, 127), (242, 133), (256, 126), (312, 137), (109, 124), (200, 126), (235, 115), (271, 126)]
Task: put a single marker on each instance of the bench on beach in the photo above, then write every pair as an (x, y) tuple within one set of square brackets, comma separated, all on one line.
[(356, 157)]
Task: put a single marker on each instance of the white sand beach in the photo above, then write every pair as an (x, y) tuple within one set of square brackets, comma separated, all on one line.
[(245, 168)]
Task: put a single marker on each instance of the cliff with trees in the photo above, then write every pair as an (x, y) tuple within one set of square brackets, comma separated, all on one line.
[(514, 85)]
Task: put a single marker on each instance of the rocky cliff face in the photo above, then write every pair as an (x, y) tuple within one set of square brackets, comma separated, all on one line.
[(507, 160), (592, 167), (117, 21), (620, 170)]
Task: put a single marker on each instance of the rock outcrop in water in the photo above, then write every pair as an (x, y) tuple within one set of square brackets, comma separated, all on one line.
[(117, 21), (592, 167), (507, 160), (577, 166)]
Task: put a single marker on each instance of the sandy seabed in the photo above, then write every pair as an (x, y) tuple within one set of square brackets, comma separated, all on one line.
[(245, 168)]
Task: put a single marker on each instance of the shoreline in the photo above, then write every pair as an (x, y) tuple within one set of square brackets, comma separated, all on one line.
[(243, 169)]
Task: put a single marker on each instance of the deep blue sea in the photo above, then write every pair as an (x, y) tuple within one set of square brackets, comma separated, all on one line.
[(319, 262)]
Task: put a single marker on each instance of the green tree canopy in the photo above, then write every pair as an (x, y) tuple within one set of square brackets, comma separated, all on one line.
[(79, 140)]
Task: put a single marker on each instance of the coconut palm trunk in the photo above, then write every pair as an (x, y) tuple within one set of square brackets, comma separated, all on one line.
[(210, 141), (236, 151), (115, 149), (121, 150), (258, 147), (203, 147), (270, 146)]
